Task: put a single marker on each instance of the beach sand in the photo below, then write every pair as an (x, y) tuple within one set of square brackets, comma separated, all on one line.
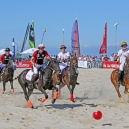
[(95, 92)]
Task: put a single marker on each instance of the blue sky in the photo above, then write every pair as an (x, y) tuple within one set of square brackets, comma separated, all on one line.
[(58, 14)]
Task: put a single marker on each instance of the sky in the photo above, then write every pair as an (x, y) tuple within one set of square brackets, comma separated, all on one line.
[(56, 15)]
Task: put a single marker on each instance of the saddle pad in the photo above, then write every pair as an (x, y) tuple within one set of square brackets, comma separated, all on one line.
[(29, 75)]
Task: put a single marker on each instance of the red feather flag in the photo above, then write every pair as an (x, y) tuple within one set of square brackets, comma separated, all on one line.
[(103, 47)]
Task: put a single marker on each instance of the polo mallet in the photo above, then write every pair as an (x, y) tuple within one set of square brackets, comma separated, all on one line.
[(63, 36), (43, 35)]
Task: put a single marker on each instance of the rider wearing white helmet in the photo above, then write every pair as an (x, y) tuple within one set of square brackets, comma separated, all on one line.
[(37, 60), (122, 54)]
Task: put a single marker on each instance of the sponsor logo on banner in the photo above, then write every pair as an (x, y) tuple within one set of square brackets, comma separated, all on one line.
[(23, 65), (108, 64)]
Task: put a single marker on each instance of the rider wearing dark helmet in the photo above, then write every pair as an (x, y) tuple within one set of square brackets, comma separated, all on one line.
[(5, 58)]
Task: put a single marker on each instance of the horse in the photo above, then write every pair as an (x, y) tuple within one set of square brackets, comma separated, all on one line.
[(7, 74), (48, 78), (69, 77), (124, 81)]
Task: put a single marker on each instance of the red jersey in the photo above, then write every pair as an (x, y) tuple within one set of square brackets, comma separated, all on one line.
[(38, 58), (5, 58), (105, 59)]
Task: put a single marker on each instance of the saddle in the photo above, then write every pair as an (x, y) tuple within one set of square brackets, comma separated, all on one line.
[(64, 72)]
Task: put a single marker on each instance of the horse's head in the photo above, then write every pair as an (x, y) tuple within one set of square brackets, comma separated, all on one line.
[(74, 61), (54, 64), (10, 62)]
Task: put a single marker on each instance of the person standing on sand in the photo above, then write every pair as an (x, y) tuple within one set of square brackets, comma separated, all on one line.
[(122, 54)]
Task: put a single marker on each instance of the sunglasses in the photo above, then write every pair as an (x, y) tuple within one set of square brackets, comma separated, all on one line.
[(124, 46), (41, 48), (63, 48)]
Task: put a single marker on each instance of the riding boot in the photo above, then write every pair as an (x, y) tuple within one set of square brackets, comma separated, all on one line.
[(119, 77), (77, 82), (31, 83)]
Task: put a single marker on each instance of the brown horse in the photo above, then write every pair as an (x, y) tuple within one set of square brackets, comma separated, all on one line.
[(7, 75), (48, 79), (124, 80), (69, 77)]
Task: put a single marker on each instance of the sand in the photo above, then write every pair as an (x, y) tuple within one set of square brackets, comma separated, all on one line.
[(95, 92)]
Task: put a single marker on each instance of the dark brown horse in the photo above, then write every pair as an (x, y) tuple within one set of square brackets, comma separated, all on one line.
[(124, 80), (48, 79), (7, 75), (69, 77)]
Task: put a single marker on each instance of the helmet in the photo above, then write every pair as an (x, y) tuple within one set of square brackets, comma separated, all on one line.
[(62, 46), (123, 43), (41, 46), (7, 49)]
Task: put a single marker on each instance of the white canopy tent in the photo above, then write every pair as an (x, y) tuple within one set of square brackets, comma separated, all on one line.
[(29, 51), (2, 51)]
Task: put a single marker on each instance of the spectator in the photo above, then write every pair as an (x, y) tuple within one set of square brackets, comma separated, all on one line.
[(105, 58), (112, 57)]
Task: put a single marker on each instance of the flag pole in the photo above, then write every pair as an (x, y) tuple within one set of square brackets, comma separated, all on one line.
[(14, 58), (106, 38), (63, 36), (43, 35), (116, 37)]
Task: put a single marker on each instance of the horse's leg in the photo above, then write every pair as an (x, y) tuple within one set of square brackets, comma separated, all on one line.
[(30, 92), (60, 87), (30, 105), (45, 94), (11, 83), (113, 79), (117, 90), (71, 89), (4, 83), (55, 95)]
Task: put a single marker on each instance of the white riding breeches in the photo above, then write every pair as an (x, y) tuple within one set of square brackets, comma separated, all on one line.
[(37, 67), (121, 68), (2, 66), (63, 66)]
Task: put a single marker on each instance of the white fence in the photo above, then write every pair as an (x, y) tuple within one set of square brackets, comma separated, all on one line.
[(92, 64)]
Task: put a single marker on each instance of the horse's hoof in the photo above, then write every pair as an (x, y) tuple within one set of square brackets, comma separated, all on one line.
[(12, 91), (73, 101), (126, 92), (3, 92), (122, 100), (53, 101), (30, 105), (42, 99)]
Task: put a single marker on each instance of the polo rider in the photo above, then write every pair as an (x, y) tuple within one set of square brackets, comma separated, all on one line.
[(5, 58), (63, 58), (37, 60), (122, 54)]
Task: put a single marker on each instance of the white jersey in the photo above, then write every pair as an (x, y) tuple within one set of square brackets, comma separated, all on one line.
[(63, 56), (122, 55)]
